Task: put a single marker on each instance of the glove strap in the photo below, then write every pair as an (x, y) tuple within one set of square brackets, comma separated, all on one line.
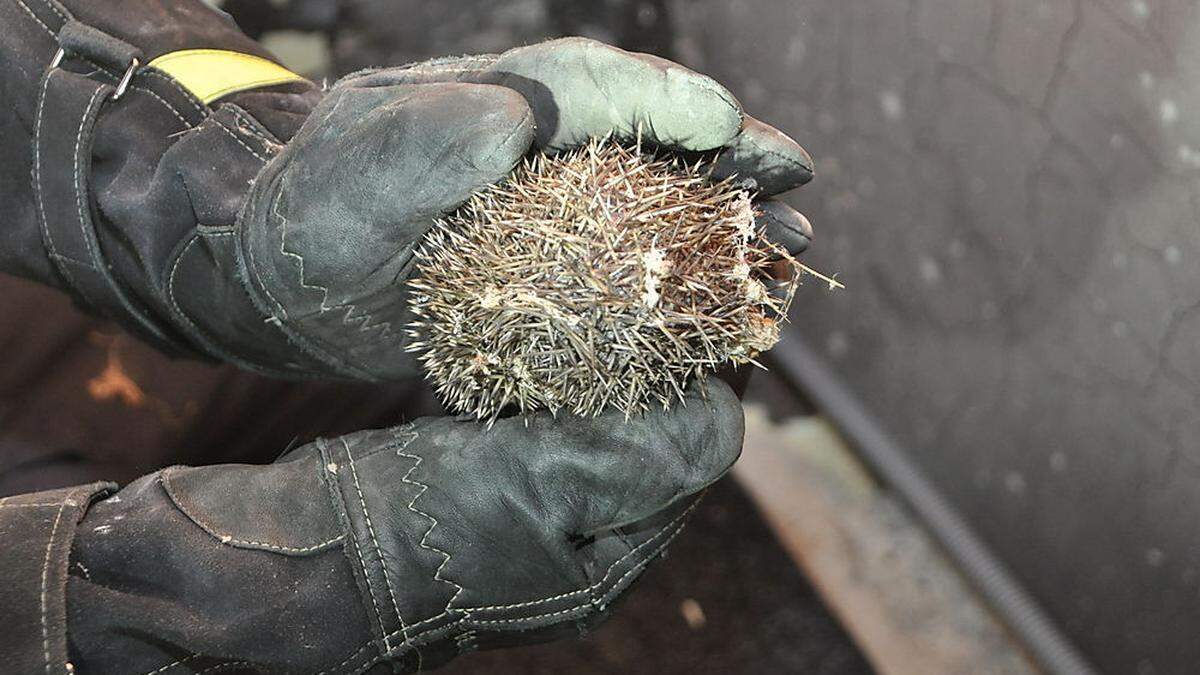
[(68, 107)]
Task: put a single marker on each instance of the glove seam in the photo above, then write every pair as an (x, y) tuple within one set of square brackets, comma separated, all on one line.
[(675, 527), (328, 474), (46, 582), (34, 16), (164, 480), (378, 553), (433, 523), (237, 139)]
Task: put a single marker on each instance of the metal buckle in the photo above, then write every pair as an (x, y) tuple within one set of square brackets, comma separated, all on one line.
[(124, 83), (121, 86)]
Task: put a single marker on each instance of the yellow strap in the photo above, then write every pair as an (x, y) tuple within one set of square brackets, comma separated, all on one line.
[(212, 73)]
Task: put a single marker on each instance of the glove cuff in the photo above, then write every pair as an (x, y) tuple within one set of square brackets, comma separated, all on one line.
[(37, 530)]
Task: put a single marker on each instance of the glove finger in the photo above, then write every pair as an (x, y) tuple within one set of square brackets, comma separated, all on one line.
[(769, 157), (580, 89), (784, 225), (599, 473)]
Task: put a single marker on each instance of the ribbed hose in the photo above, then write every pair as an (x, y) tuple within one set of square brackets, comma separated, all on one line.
[(795, 361)]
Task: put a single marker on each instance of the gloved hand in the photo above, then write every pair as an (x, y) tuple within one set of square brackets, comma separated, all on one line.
[(329, 228), (407, 545), (274, 228)]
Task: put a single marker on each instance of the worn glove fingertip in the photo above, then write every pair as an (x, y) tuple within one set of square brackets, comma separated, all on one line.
[(785, 226), (769, 157)]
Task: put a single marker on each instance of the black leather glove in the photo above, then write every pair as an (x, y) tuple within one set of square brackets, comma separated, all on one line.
[(273, 228), (330, 224), (407, 545)]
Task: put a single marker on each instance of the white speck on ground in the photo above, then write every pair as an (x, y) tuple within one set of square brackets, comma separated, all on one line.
[(1014, 482), (1058, 461), (930, 272), (892, 105), (1168, 111)]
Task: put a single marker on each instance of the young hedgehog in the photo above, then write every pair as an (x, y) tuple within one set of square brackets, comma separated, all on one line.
[(604, 276)]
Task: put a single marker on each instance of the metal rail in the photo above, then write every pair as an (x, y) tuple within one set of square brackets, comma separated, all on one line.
[(796, 362)]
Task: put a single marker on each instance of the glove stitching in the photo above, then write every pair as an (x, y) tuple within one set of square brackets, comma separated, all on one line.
[(378, 550), (615, 588), (348, 659), (588, 589), (182, 316), (675, 527), (37, 178), (223, 666), (279, 315), (17, 506), (165, 102), (282, 314), (35, 17), (164, 479), (328, 472), (46, 584), (238, 139), (248, 124), (433, 523), (365, 319), (81, 195), (187, 95), (180, 662), (54, 9), (650, 557), (132, 87)]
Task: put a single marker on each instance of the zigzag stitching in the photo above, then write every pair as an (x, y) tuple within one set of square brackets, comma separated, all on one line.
[(422, 488), (365, 319)]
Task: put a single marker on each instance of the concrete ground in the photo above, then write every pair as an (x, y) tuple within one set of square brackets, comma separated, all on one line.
[(903, 603)]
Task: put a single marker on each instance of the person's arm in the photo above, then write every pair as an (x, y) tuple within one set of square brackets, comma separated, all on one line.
[(404, 546), (273, 227)]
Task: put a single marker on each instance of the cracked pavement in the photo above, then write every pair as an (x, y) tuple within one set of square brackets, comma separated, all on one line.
[(1009, 190)]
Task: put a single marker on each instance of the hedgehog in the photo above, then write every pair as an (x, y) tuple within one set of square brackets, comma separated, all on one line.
[(604, 277)]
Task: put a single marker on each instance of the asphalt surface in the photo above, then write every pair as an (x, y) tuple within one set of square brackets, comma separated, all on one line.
[(1009, 191)]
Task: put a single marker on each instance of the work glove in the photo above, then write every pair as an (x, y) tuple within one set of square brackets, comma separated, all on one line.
[(330, 225), (404, 546), (274, 228)]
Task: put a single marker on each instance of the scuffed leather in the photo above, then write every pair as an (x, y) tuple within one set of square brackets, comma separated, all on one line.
[(524, 531), (448, 536), (330, 224), (274, 229), (269, 508), (36, 531)]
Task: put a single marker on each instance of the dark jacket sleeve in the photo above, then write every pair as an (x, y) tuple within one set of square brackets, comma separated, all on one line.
[(38, 530), (145, 190), (223, 569)]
